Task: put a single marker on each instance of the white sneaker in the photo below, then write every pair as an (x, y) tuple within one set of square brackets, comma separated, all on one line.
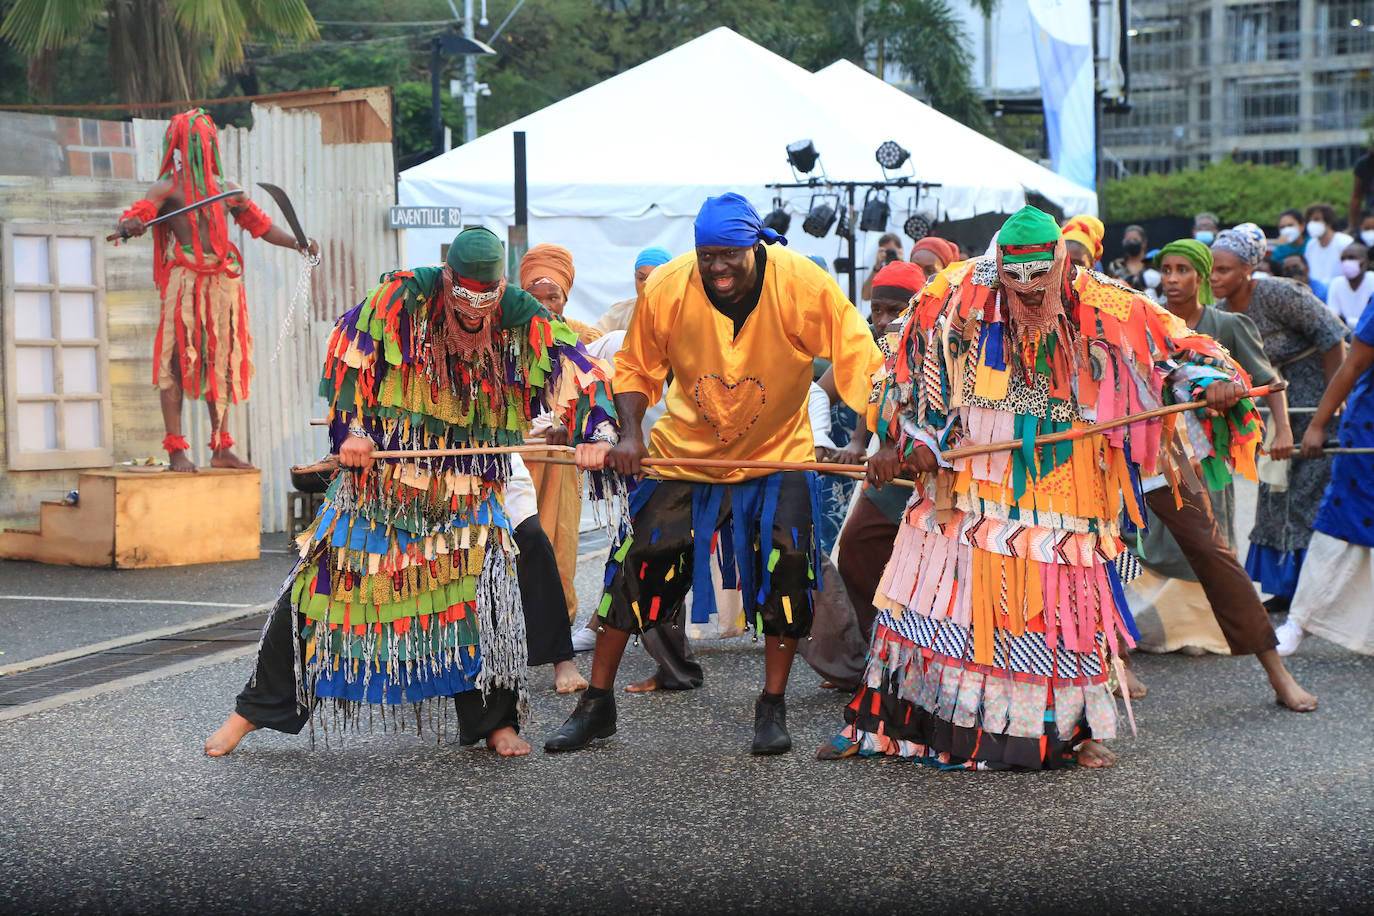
[(1290, 635), (583, 639)]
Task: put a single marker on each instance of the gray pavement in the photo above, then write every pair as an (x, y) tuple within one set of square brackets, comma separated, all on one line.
[(123, 602), (1225, 803)]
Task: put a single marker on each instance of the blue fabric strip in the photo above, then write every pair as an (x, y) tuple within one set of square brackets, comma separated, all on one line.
[(1119, 596), (705, 510)]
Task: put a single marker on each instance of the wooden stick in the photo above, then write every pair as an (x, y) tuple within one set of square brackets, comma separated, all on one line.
[(850, 470), (1096, 428)]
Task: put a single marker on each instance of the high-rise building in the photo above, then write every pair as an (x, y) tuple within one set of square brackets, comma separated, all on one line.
[(1289, 81)]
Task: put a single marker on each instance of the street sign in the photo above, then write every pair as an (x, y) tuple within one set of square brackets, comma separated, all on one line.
[(425, 218)]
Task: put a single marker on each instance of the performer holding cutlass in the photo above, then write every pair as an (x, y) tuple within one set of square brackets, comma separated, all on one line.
[(203, 348), (738, 323)]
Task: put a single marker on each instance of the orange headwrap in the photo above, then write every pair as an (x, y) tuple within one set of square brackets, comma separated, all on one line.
[(547, 262), (945, 250), (1086, 231)]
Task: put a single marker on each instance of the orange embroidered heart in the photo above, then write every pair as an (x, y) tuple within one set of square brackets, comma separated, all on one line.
[(730, 408)]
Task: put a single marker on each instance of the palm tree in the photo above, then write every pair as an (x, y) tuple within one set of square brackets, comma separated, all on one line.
[(160, 50)]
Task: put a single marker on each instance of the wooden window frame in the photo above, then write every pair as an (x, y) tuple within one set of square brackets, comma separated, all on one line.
[(60, 457)]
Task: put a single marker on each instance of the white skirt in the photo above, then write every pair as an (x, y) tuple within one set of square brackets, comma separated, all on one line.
[(1335, 595)]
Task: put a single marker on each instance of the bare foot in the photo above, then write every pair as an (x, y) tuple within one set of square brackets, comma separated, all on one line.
[(224, 458), (566, 677), (831, 751), (507, 743), (228, 736), (829, 685), (1095, 754), (1133, 684), (648, 685), (1291, 695), (180, 461)]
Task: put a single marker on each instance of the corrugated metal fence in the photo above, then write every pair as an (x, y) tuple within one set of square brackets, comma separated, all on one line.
[(341, 193)]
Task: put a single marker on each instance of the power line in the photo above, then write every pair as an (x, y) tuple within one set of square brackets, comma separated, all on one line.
[(383, 25)]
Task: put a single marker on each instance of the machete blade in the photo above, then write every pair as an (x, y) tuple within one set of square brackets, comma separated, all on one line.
[(284, 204)]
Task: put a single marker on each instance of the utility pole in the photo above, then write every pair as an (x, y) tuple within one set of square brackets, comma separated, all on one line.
[(469, 79)]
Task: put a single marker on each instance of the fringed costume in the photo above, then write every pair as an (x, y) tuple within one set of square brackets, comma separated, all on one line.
[(1002, 607), (406, 590)]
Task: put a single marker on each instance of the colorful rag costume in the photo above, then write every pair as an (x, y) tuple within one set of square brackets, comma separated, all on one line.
[(1333, 593), (406, 588), (735, 394), (203, 341), (1002, 603)]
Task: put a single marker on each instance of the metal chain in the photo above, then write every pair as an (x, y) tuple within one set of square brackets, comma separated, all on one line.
[(301, 295)]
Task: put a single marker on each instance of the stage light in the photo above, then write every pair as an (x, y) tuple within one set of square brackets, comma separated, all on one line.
[(891, 155), (778, 219), (819, 219), (873, 217), (802, 156), (917, 226), (844, 230)]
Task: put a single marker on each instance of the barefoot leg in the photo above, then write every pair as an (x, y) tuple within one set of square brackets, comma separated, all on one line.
[(566, 677), (1134, 684), (224, 458), (507, 743), (171, 421), (1287, 692), (228, 735), (648, 685), (1095, 754)]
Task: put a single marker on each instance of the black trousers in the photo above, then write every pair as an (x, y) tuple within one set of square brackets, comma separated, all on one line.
[(541, 594), (268, 700)]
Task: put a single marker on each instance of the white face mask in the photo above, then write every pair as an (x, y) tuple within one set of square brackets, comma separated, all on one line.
[(1367, 236), (1260, 273), (1152, 278), (1316, 229), (1288, 234)]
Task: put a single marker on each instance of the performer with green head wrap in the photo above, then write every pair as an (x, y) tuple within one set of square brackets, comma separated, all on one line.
[(405, 594), (1001, 610)]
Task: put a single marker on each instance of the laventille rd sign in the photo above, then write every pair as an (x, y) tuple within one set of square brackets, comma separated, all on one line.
[(425, 218)]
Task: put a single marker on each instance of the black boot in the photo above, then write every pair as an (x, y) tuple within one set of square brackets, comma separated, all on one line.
[(770, 726), (593, 718)]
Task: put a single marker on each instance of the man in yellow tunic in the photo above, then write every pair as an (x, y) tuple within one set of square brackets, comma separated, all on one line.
[(737, 323)]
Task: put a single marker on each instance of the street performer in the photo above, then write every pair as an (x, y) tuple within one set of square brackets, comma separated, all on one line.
[(1002, 607), (203, 347), (406, 590), (737, 323)]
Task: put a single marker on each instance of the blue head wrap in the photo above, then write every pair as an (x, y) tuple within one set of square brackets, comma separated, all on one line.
[(818, 261), (652, 257), (732, 222)]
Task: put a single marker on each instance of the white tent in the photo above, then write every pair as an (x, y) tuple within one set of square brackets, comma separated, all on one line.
[(626, 164)]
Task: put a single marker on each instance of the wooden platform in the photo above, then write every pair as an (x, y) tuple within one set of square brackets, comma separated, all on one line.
[(131, 520)]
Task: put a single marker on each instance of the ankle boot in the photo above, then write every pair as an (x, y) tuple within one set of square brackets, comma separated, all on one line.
[(593, 718), (770, 727)]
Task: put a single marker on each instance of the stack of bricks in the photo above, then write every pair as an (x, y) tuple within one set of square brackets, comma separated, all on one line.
[(97, 149)]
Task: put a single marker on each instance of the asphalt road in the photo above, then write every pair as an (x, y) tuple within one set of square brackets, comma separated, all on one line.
[(1224, 803)]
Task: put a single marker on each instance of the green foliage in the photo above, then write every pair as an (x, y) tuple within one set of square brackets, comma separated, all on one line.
[(1235, 191)]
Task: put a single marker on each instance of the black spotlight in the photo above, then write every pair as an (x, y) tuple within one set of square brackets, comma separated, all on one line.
[(873, 217), (778, 219), (844, 230), (891, 155), (819, 219), (802, 155), (917, 226)]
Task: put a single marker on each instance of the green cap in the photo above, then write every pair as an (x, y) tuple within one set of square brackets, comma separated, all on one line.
[(1028, 228), (477, 254)]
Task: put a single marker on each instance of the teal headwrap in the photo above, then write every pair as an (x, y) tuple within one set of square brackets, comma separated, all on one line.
[(1200, 256)]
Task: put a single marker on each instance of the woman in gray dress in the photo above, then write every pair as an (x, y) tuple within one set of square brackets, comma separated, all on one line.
[(1306, 343)]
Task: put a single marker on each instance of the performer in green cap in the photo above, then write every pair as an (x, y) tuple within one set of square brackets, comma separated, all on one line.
[(405, 594), (1001, 611)]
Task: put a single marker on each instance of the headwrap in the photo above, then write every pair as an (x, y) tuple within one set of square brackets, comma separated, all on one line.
[(1246, 241), (653, 257), (730, 221), (476, 259), (899, 280), (1200, 256), (818, 261), (1086, 231), (190, 155), (547, 262), (943, 249), (1031, 236)]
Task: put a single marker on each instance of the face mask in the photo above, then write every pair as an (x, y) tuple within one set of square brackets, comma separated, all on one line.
[(1288, 234), (1152, 278), (1205, 236), (1133, 247), (1316, 229), (1367, 236), (1260, 273), (1351, 269)]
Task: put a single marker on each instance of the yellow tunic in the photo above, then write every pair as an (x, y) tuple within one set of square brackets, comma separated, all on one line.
[(742, 397)]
